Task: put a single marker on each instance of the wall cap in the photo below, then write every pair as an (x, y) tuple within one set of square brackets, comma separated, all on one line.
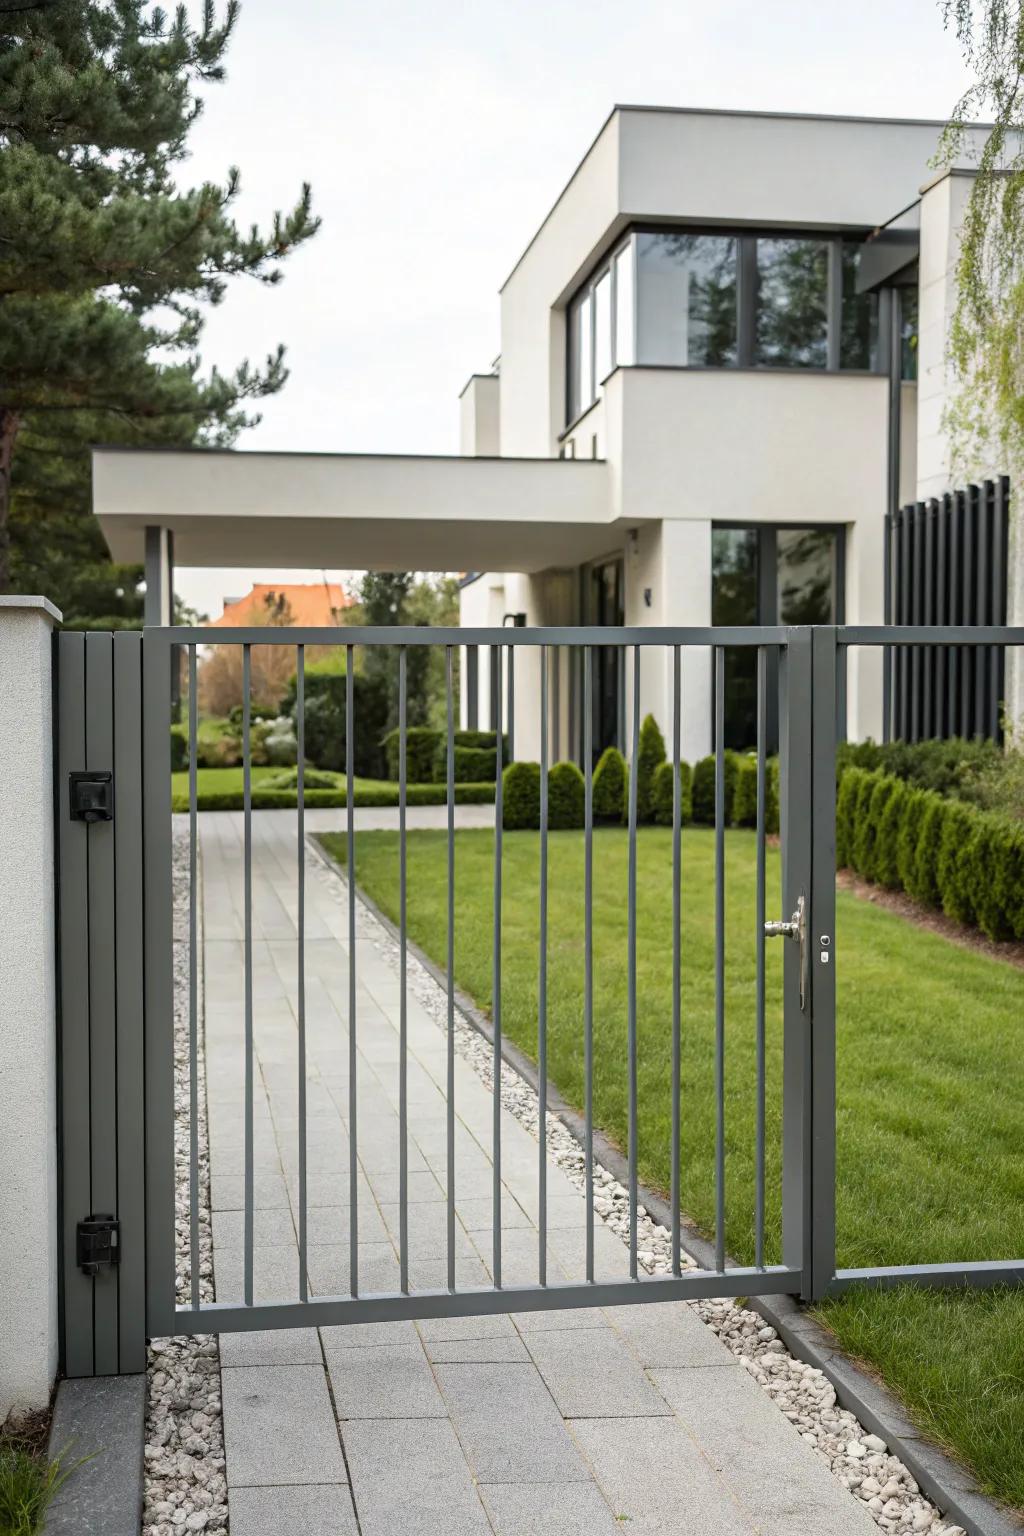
[(43, 604)]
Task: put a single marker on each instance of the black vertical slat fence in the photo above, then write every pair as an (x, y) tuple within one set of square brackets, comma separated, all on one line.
[(946, 563)]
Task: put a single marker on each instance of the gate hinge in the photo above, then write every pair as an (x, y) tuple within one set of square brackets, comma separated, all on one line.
[(98, 1243), (92, 795)]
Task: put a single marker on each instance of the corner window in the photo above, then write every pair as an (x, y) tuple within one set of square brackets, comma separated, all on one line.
[(858, 339), (908, 334), (602, 328), (625, 341), (686, 299), (791, 321)]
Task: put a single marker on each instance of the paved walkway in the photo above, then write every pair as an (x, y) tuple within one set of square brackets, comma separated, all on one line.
[(541, 1424)]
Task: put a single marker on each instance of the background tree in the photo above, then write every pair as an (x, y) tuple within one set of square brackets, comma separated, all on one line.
[(105, 263), (986, 419)]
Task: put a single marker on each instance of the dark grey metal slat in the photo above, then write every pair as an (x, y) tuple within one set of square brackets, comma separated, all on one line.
[(247, 955), (759, 957), (496, 1000), (631, 1048), (821, 961), (193, 979), (588, 953), (353, 1101), (677, 821), (102, 1080), (300, 963), (131, 1190), (542, 990), (450, 941), (76, 1185), (719, 958), (403, 979)]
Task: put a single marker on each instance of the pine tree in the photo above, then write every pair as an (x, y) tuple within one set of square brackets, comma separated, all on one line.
[(105, 262)]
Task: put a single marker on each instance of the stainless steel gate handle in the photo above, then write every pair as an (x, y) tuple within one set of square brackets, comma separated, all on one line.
[(796, 928)]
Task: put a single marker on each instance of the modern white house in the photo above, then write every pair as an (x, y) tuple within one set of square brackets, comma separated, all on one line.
[(723, 358)]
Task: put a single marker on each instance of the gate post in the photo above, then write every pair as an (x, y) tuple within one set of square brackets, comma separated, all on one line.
[(808, 691)]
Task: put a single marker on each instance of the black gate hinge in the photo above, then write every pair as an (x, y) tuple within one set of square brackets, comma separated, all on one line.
[(98, 1243), (91, 795)]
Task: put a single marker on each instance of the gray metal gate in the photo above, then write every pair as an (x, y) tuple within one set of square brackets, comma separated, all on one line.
[(120, 1248)]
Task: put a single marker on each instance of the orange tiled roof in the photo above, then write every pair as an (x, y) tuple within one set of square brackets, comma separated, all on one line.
[(309, 605)]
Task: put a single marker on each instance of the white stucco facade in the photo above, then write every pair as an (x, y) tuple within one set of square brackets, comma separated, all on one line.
[(629, 492)]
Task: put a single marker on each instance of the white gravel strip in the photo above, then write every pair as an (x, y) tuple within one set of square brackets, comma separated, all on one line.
[(186, 1489), (802, 1392)]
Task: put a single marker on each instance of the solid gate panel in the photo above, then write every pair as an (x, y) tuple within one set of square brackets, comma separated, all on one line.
[(102, 1079), (131, 1202)]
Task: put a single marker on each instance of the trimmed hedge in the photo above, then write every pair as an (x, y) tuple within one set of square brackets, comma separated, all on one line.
[(427, 753), (649, 757), (420, 746), (609, 785), (179, 748), (520, 796), (475, 765), (663, 791), (744, 802), (380, 795), (944, 853), (566, 798), (704, 788)]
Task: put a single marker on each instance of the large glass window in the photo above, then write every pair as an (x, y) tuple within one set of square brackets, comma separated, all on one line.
[(686, 299), (625, 344), (908, 333), (602, 328), (765, 574), (858, 339), (581, 379), (791, 318)]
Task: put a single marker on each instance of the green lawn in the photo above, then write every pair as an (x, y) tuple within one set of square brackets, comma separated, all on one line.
[(931, 1093)]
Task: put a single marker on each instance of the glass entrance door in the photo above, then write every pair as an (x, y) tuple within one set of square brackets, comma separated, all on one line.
[(764, 574)]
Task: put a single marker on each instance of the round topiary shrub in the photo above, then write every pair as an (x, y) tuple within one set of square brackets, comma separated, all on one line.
[(566, 797), (609, 788), (704, 788), (520, 797), (664, 789)]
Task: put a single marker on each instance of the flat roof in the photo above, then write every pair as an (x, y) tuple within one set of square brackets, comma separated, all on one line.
[(227, 507)]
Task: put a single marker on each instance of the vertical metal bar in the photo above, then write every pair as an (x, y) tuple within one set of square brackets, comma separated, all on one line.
[(511, 709), (193, 981), (719, 957), (966, 661), (588, 949), (101, 1084), (795, 797), (928, 659), (131, 1121), (998, 663), (247, 899), (300, 759), (158, 1014), (821, 999), (634, 761), (904, 618), (496, 1004), (450, 1100), (74, 836), (403, 986), (759, 919), (350, 827), (952, 504), (981, 606), (887, 619), (941, 651), (677, 822), (542, 988)]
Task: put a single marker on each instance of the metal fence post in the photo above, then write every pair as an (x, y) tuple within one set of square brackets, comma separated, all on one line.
[(795, 830), (821, 960)]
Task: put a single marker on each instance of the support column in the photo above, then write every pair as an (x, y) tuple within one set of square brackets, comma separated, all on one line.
[(159, 576), (28, 1040)]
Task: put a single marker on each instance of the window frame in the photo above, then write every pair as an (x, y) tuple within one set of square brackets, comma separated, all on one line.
[(746, 238)]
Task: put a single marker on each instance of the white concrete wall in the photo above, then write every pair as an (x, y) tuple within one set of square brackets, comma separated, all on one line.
[(479, 417), (28, 1058)]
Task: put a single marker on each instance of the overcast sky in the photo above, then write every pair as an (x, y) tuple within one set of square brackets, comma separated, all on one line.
[(437, 136)]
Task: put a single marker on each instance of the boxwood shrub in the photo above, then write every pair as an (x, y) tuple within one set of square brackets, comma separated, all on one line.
[(420, 747), (179, 748), (663, 790), (744, 803), (566, 797), (704, 788), (650, 755), (520, 793), (609, 787)]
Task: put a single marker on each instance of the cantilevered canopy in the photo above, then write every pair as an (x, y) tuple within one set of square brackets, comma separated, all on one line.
[(353, 511)]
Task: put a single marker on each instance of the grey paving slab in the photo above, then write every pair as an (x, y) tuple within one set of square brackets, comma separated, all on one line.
[(280, 1346), (385, 1381), (759, 1454), (548, 1509), (279, 1427), (509, 1426), (668, 1333), (410, 1478), (657, 1482), (591, 1374), (366, 1335), (493, 1325), (496, 1350), (311, 1511)]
